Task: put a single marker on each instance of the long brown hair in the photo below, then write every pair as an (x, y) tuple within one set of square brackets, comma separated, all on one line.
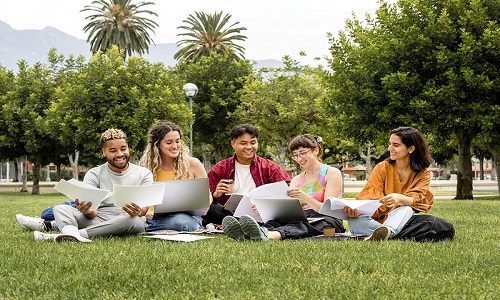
[(151, 158)]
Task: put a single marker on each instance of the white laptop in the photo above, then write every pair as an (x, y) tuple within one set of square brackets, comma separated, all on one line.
[(190, 196), (282, 210)]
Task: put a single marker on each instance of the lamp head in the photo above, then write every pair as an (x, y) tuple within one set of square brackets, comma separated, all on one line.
[(191, 90)]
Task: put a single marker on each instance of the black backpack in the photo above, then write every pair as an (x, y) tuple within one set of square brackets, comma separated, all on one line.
[(426, 228)]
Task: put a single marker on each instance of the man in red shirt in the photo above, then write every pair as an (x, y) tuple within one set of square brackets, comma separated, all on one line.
[(245, 168)]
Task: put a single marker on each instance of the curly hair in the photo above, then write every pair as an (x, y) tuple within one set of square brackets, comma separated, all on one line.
[(112, 134), (151, 158)]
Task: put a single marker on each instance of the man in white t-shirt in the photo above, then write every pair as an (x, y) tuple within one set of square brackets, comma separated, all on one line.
[(245, 168)]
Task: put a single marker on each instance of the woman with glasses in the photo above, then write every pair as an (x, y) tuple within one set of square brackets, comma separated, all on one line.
[(315, 183)]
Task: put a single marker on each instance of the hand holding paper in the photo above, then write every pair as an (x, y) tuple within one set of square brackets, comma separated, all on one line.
[(75, 189), (335, 207), (270, 190)]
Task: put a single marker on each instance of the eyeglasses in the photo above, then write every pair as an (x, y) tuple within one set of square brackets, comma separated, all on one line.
[(300, 155)]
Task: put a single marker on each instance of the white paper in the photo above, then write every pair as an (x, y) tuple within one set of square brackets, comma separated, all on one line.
[(142, 195), (245, 208), (179, 237), (75, 189), (273, 190), (335, 207), (276, 190)]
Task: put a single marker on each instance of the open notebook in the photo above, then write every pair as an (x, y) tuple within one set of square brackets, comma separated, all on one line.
[(190, 196)]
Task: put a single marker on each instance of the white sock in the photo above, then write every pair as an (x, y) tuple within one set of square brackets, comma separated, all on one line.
[(70, 229)]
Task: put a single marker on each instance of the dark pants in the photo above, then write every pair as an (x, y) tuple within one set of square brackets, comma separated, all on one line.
[(300, 229), (426, 228), (216, 213)]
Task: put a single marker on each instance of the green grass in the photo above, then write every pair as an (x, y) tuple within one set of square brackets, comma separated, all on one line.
[(139, 268)]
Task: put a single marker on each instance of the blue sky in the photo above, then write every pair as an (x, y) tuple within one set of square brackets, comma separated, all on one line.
[(274, 28)]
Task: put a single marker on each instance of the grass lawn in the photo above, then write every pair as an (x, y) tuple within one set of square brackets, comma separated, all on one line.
[(140, 268)]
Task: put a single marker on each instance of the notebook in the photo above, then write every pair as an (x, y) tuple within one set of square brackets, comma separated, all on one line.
[(282, 210), (190, 196)]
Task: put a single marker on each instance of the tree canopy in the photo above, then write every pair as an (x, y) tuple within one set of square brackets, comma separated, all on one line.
[(206, 34), (119, 23), (428, 64)]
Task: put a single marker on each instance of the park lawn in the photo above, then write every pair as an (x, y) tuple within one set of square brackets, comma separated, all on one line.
[(135, 267)]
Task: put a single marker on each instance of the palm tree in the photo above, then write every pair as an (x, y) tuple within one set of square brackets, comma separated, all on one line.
[(206, 34), (118, 22)]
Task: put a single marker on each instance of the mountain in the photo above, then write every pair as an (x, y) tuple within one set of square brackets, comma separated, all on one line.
[(33, 45)]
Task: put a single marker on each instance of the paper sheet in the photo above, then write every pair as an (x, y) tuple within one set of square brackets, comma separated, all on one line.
[(179, 237), (142, 195), (75, 189), (276, 190), (335, 207)]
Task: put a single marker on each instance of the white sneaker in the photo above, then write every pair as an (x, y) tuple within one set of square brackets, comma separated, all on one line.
[(30, 223), (40, 236), (71, 238)]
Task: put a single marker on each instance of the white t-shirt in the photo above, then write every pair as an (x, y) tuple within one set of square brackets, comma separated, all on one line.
[(243, 181)]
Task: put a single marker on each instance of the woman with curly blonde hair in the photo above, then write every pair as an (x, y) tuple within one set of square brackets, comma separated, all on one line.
[(168, 158)]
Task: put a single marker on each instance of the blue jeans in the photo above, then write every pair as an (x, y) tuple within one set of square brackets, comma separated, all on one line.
[(396, 220), (175, 221), (48, 213)]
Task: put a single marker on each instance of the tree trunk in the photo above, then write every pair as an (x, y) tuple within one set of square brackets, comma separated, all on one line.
[(280, 158), (464, 173), (36, 176), (17, 172), (24, 174), (496, 166), (368, 158), (74, 163), (481, 168)]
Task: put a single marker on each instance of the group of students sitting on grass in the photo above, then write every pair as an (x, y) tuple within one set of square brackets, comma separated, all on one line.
[(401, 184)]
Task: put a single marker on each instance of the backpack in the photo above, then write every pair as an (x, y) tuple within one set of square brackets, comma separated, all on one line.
[(426, 228)]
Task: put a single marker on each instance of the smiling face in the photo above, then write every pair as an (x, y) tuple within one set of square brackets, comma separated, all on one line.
[(117, 154), (305, 157), (245, 146), (170, 145), (398, 150)]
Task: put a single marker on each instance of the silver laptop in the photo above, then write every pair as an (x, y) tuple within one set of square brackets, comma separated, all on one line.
[(282, 210), (190, 196)]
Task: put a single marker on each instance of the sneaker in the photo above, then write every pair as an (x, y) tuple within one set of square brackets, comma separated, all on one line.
[(232, 228), (71, 238), (40, 236), (380, 234), (253, 229), (30, 223)]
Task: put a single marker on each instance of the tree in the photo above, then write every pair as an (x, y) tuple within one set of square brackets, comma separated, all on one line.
[(110, 93), (206, 34), (23, 107), (119, 22), (428, 64), (219, 78), (283, 103)]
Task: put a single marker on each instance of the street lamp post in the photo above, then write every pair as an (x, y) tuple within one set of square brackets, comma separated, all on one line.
[(191, 90)]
